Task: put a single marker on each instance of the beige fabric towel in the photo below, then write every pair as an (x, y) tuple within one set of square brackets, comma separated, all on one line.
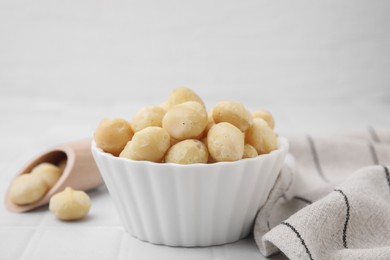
[(331, 199)]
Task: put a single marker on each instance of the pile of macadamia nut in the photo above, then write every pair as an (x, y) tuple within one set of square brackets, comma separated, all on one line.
[(31, 187), (181, 131)]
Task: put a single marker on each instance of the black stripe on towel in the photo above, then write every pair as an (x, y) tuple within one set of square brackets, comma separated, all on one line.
[(373, 134), (387, 174), (346, 218), (300, 238), (283, 195), (316, 160), (373, 154), (303, 199)]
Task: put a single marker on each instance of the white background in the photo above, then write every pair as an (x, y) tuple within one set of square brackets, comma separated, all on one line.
[(319, 66)]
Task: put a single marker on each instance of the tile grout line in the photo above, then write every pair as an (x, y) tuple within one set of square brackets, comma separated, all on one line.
[(33, 237), (120, 249)]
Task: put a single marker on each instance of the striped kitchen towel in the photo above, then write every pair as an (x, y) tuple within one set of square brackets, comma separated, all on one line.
[(331, 199)]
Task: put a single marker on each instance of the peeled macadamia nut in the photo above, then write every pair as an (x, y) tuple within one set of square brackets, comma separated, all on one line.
[(27, 188), (70, 204), (233, 113), (261, 136), (264, 114), (149, 144), (225, 142), (112, 135), (48, 172), (147, 116), (185, 121), (187, 152), (249, 151), (181, 95)]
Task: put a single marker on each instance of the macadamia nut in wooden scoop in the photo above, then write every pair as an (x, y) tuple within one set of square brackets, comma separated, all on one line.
[(27, 188), (50, 173)]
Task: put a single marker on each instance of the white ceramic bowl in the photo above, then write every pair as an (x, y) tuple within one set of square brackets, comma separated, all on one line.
[(190, 205)]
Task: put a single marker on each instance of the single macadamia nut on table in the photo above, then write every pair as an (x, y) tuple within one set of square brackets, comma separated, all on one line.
[(225, 142), (249, 151), (185, 121), (264, 114), (181, 95), (147, 116), (149, 144), (261, 136), (50, 173), (27, 188), (112, 135), (187, 152), (234, 113), (70, 204)]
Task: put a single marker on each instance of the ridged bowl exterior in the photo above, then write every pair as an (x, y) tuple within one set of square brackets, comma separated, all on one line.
[(189, 205)]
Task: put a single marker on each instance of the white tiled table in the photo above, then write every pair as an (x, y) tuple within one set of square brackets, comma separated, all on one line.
[(38, 235), (319, 66)]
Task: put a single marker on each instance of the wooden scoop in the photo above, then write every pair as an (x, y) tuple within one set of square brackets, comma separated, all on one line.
[(80, 171)]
